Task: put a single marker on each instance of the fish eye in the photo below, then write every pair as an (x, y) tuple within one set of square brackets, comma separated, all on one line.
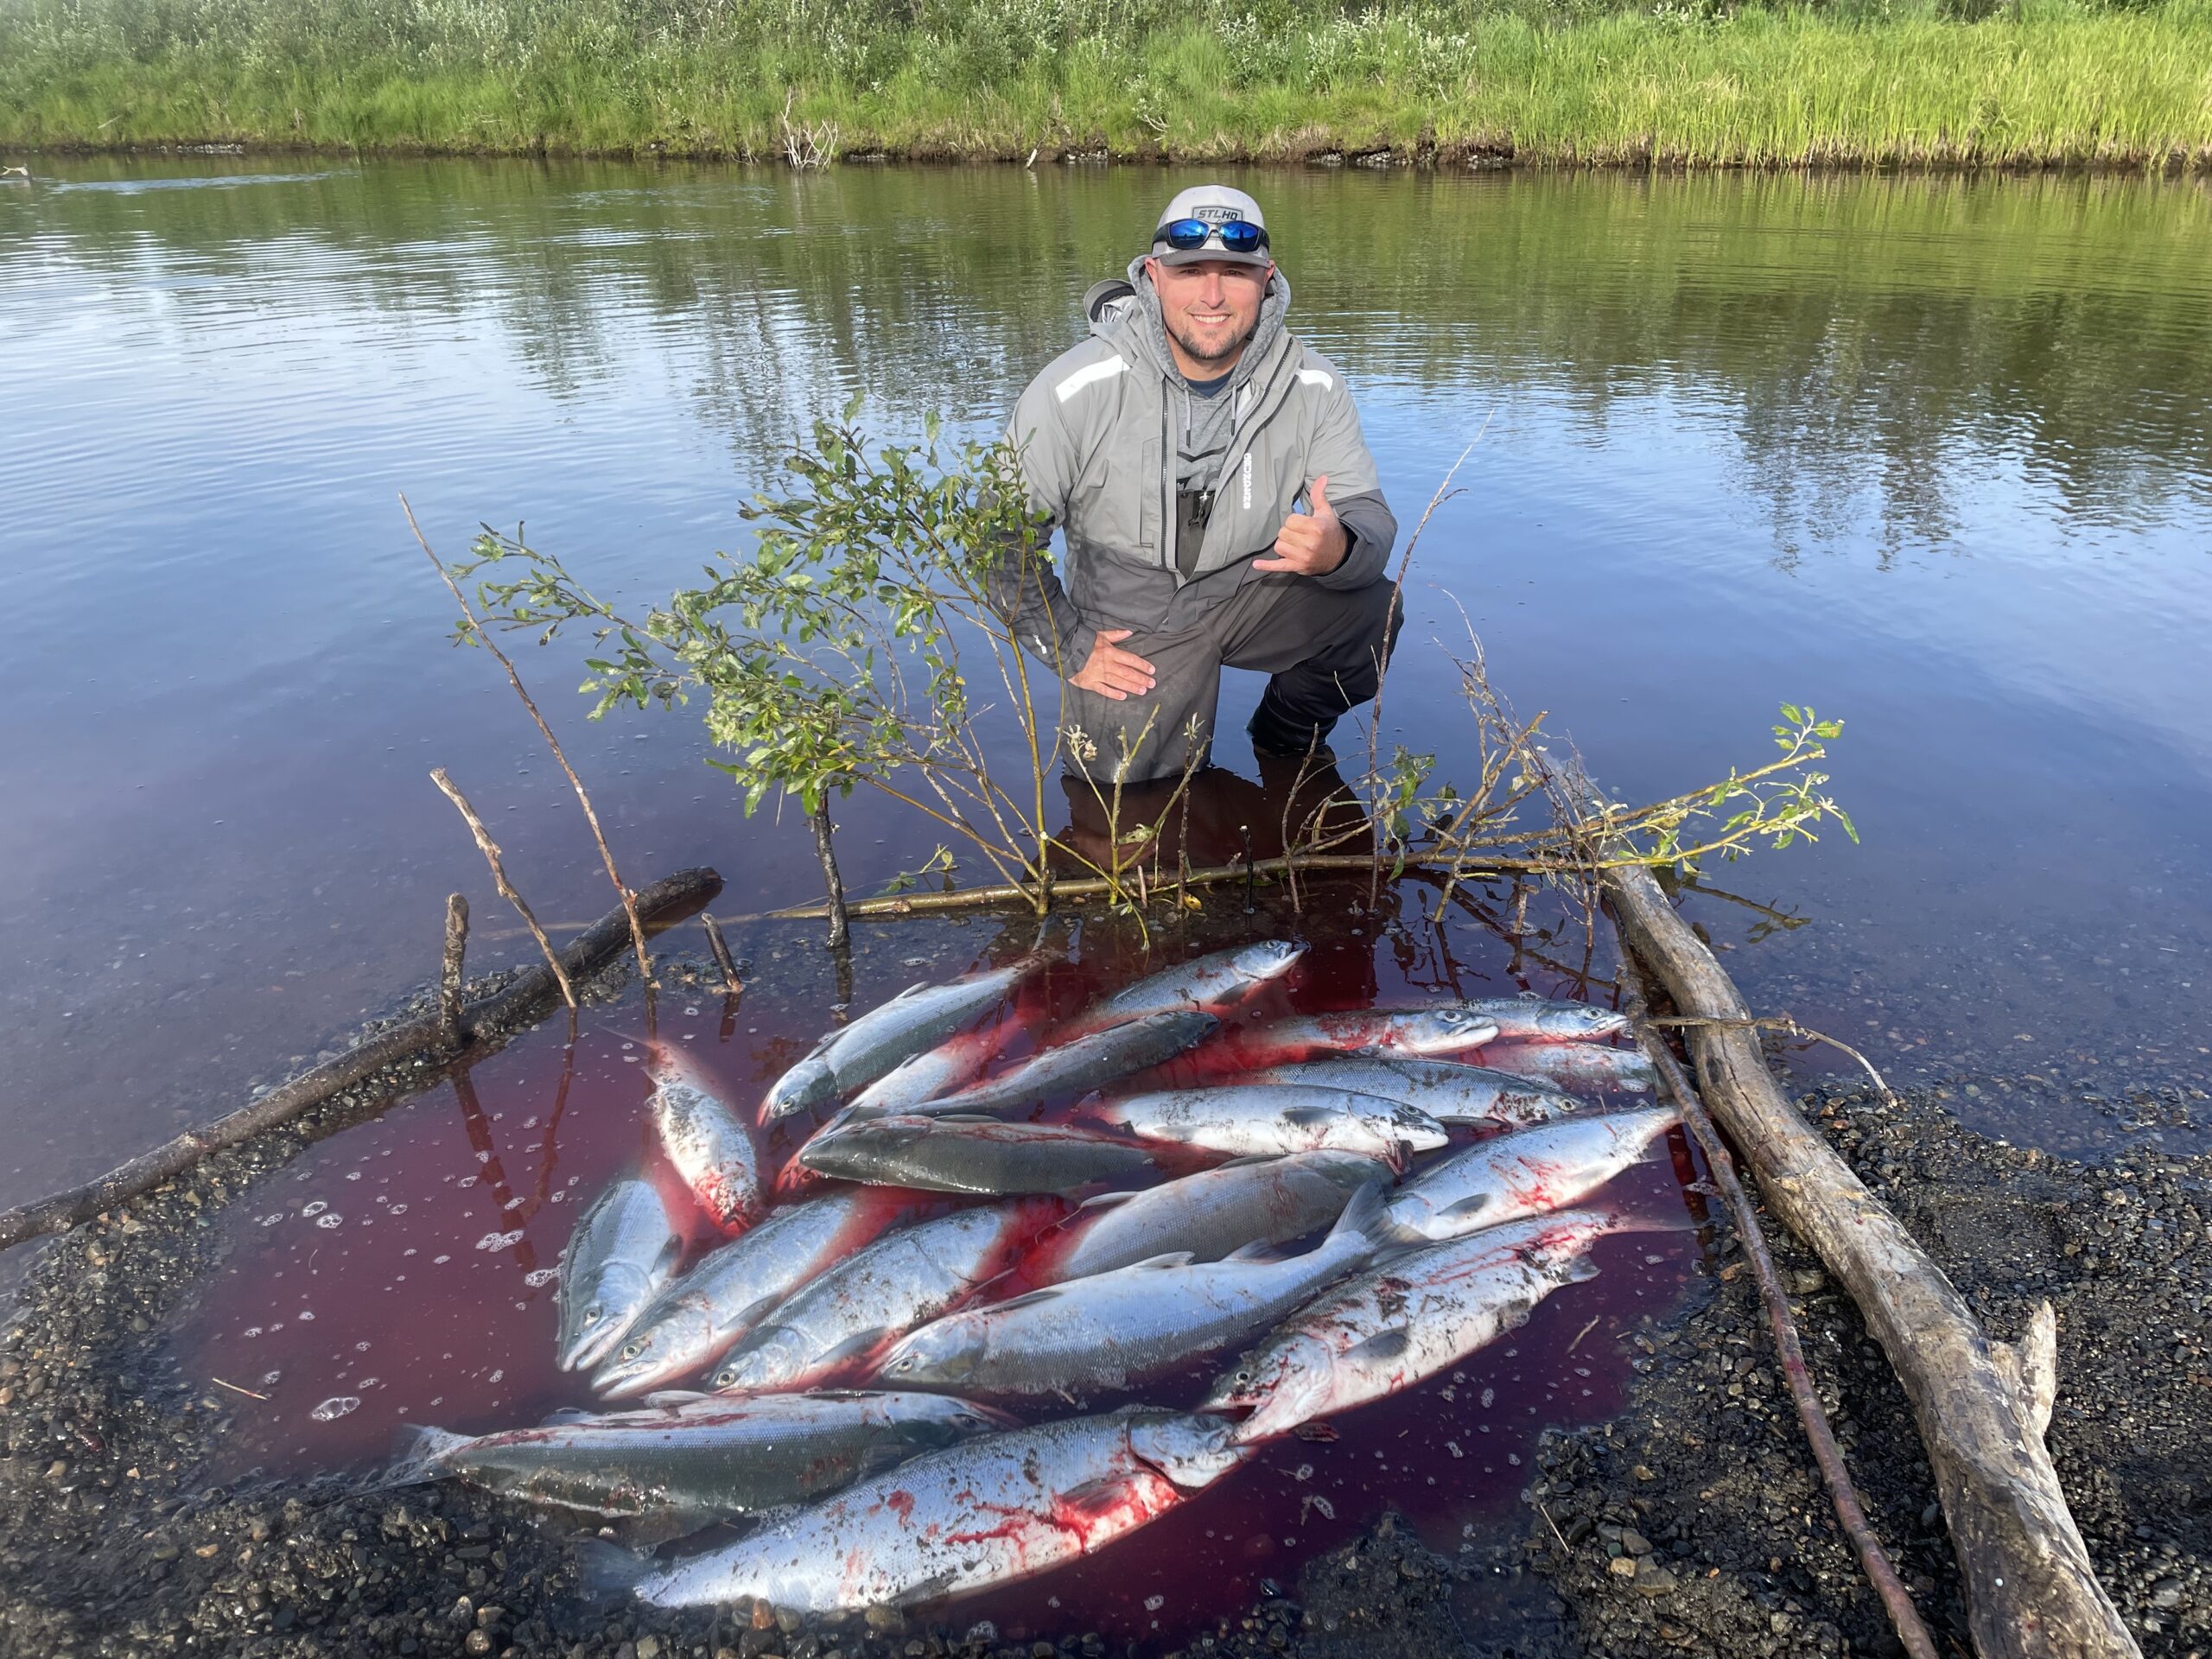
[(591, 1314), (632, 1350)]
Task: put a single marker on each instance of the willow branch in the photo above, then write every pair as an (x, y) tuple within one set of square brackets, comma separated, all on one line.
[(490, 849)]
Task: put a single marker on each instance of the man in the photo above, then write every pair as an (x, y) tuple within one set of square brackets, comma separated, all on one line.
[(1219, 502)]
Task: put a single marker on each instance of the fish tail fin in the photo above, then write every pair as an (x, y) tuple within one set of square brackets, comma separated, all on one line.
[(417, 1457), (605, 1570)]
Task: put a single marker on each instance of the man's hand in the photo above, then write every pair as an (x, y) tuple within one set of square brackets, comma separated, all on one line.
[(1310, 543), (1113, 672)]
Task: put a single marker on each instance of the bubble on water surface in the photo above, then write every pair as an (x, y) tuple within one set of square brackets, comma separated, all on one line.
[(305, 1316), (333, 1219), (270, 1379), (398, 1210), (336, 1406), (500, 1241), (537, 1276), (466, 1180), (314, 1209), (271, 1221), (440, 1261), (1153, 1603), (352, 1175), (251, 1331)]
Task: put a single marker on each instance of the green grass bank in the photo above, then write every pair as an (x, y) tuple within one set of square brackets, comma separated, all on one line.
[(1454, 82)]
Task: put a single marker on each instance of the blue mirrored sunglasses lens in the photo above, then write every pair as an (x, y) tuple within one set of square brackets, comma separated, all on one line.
[(1183, 234), (1240, 236)]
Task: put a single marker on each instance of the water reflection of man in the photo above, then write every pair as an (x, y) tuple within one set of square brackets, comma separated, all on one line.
[(1219, 502)]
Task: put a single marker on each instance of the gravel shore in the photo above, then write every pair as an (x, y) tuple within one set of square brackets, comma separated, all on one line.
[(1693, 1524)]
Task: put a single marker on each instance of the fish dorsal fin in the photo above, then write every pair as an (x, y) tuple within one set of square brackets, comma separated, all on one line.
[(966, 1117), (1258, 1250), (1027, 1299), (1251, 1157), (853, 1346), (1160, 1263), (1384, 1344), (1466, 1206), (914, 989), (1107, 1200), (666, 1398)]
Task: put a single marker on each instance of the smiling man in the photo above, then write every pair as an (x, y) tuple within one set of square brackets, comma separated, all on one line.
[(1219, 502)]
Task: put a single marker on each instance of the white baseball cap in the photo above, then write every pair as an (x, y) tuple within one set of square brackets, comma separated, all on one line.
[(1210, 203)]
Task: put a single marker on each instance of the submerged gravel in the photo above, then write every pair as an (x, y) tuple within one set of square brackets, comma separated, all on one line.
[(1693, 1524)]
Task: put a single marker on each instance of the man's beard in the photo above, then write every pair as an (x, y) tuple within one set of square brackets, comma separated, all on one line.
[(1226, 354)]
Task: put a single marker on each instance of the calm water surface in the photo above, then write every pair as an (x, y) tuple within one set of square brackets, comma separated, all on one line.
[(1934, 456)]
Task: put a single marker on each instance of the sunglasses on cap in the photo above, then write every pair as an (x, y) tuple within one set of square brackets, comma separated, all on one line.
[(1232, 235)]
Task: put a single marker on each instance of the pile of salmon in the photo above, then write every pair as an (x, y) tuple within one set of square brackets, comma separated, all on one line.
[(890, 1353)]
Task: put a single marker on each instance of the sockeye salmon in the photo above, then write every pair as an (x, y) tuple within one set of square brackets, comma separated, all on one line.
[(705, 1143), (918, 1018), (1575, 1065), (700, 1316), (1545, 1166), (1115, 1330), (1267, 1117), (620, 1255), (845, 1318), (1085, 1062), (1211, 1214), (713, 1456), (1448, 1091), (953, 1064), (1212, 984), (1535, 1019), (1397, 1325), (1404, 1031), (990, 1512), (958, 1154)]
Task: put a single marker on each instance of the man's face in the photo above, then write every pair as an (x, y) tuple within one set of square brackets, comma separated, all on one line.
[(1210, 308)]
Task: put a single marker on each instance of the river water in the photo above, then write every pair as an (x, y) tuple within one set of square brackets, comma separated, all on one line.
[(1934, 456)]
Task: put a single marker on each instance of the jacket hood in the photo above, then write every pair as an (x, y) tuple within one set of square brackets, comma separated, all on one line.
[(1130, 311)]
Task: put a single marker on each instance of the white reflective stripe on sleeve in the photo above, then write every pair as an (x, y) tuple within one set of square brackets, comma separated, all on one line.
[(1307, 377), (1088, 377)]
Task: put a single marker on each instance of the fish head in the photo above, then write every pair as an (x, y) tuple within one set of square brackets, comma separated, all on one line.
[(1443, 1031), (1416, 1129), (593, 1322), (811, 1082), (947, 1421), (1284, 1384), (1579, 1022), (1190, 1449), (1269, 959), (770, 1360), (941, 1355), (649, 1356)]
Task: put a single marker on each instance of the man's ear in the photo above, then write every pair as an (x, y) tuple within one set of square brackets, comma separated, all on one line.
[(1151, 269)]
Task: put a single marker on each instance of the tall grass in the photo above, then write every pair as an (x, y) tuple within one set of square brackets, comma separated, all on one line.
[(1689, 81)]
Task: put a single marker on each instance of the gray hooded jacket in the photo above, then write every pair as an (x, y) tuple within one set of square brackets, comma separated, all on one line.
[(1097, 435)]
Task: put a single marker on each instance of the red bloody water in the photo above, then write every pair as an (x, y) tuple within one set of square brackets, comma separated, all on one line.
[(401, 1273)]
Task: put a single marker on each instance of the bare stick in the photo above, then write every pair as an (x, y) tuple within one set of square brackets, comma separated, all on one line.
[(731, 984), (449, 970), (490, 849), (840, 931), (1783, 1022), (483, 1022), (476, 631), (1873, 1560)]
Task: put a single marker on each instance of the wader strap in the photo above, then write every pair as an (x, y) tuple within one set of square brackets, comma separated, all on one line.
[(1192, 509)]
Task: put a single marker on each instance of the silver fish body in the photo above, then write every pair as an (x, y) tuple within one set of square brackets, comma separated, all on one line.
[(1575, 1065), (1084, 1063), (952, 1065), (1210, 1215), (1536, 1019), (1211, 984), (1246, 1119), (1448, 1091), (985, 1155), (992, 1511), (700, 1316), (846, 1317), (1396, 1031), (716, 1457), (621, 1253), (1544, 1166), (1113, 1330), (705, 1142), (917, 1018), (1397, 1325)]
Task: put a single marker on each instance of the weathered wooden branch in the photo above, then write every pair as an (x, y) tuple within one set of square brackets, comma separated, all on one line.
[(733, 982), (497, 860), (1850, 1514), (449, 970), (477, 631), (1982, 1407), (835, 907), (660, 905)]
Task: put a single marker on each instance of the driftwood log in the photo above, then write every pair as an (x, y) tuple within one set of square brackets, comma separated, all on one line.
[(1982, 1407), (660, 905)]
